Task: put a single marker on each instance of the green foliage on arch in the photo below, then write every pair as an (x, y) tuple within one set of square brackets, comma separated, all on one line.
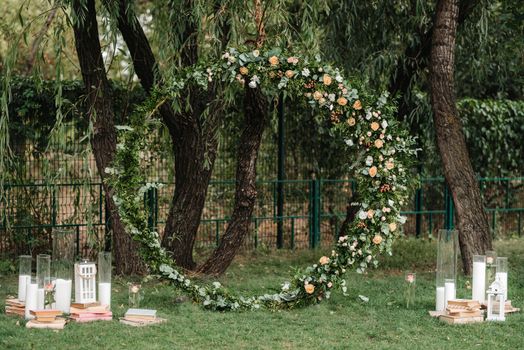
[(359, 119)]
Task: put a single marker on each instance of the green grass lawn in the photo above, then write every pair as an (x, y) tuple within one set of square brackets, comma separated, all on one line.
[(339, 323)]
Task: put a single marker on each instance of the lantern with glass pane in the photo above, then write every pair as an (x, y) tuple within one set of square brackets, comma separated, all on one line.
[(85, 282), (496, 302)]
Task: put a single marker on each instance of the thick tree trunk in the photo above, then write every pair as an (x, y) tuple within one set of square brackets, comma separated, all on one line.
[(474, 237), (101, 113), (351, 213), (255, 117), (194, 145)]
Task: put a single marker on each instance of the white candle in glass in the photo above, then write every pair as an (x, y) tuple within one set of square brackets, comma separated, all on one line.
[(449, 291), (40, 299), (440, 299), (479, 278), (502, 274), (104, 293), (30, 298), (22, 284), (63, 295)]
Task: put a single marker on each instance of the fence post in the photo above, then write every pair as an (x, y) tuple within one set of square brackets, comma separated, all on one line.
[(314, 205), (151, 209), (449, 208), (418, 209), (281, 172)]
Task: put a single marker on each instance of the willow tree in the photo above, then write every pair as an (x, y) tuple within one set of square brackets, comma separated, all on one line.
[(196, 31)]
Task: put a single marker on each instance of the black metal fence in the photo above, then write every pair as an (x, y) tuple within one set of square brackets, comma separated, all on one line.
[(312, 212)]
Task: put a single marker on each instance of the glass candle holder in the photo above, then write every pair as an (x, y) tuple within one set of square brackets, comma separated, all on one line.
[(479, 278), (104, 278), (410, 279), (24, 275), (502, 274), (135, 295), (62, 267), (43, 276), (491, 268), (447, 251)]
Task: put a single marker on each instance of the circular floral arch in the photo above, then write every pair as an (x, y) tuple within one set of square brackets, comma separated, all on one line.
[(385, 151)]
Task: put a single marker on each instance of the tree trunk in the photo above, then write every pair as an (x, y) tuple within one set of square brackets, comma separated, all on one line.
[(351, 214), (194, 145), (474, 237), (255, 117), (101, 113)]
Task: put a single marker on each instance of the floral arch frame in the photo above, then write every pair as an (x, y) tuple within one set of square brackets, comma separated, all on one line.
[(385, 149)]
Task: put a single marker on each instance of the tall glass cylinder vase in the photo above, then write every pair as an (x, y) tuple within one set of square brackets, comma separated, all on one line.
[(43, 277), (104, 278), (63, 260), (24, 275), (502, 274), (491, 268), (447, 250)]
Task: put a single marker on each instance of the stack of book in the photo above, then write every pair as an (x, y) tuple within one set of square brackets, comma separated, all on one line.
[(14, 306), (47, 318), (141, 317), (508, 308), (461, 311), (90, 312)]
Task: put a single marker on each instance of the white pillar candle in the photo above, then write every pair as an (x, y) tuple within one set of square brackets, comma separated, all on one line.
[(30, 299), (22, 284), (63, 295), (503, 278), (40, 303), (440, 299), (449, 292), (479, 281), (104, 291)]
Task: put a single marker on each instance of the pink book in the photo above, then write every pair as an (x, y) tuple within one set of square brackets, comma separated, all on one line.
[(91, 315), (92, 319)]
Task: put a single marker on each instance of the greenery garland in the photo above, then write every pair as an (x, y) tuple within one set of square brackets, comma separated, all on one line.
[(382, 172)]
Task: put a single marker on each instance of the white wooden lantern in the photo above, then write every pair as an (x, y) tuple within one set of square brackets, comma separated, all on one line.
[(496, 302), (85, 282)]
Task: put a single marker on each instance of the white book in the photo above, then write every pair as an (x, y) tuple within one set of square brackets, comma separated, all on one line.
[(141, 312)]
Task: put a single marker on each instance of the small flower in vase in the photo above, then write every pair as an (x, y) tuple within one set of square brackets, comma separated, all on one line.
[(49, 294), (410, 279), (135, 295)]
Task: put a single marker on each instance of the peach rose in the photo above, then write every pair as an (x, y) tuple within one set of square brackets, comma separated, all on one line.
[(309, 288), (342, 101), (357, 105), (273, 60), (326, 79), (373, 171), (379, 143), (290, 73), (371, 213), (392, 227), (317, 95), (324, 260), (377, 239), (244, 70), (375, 126), (352, 121), (390, 165)]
